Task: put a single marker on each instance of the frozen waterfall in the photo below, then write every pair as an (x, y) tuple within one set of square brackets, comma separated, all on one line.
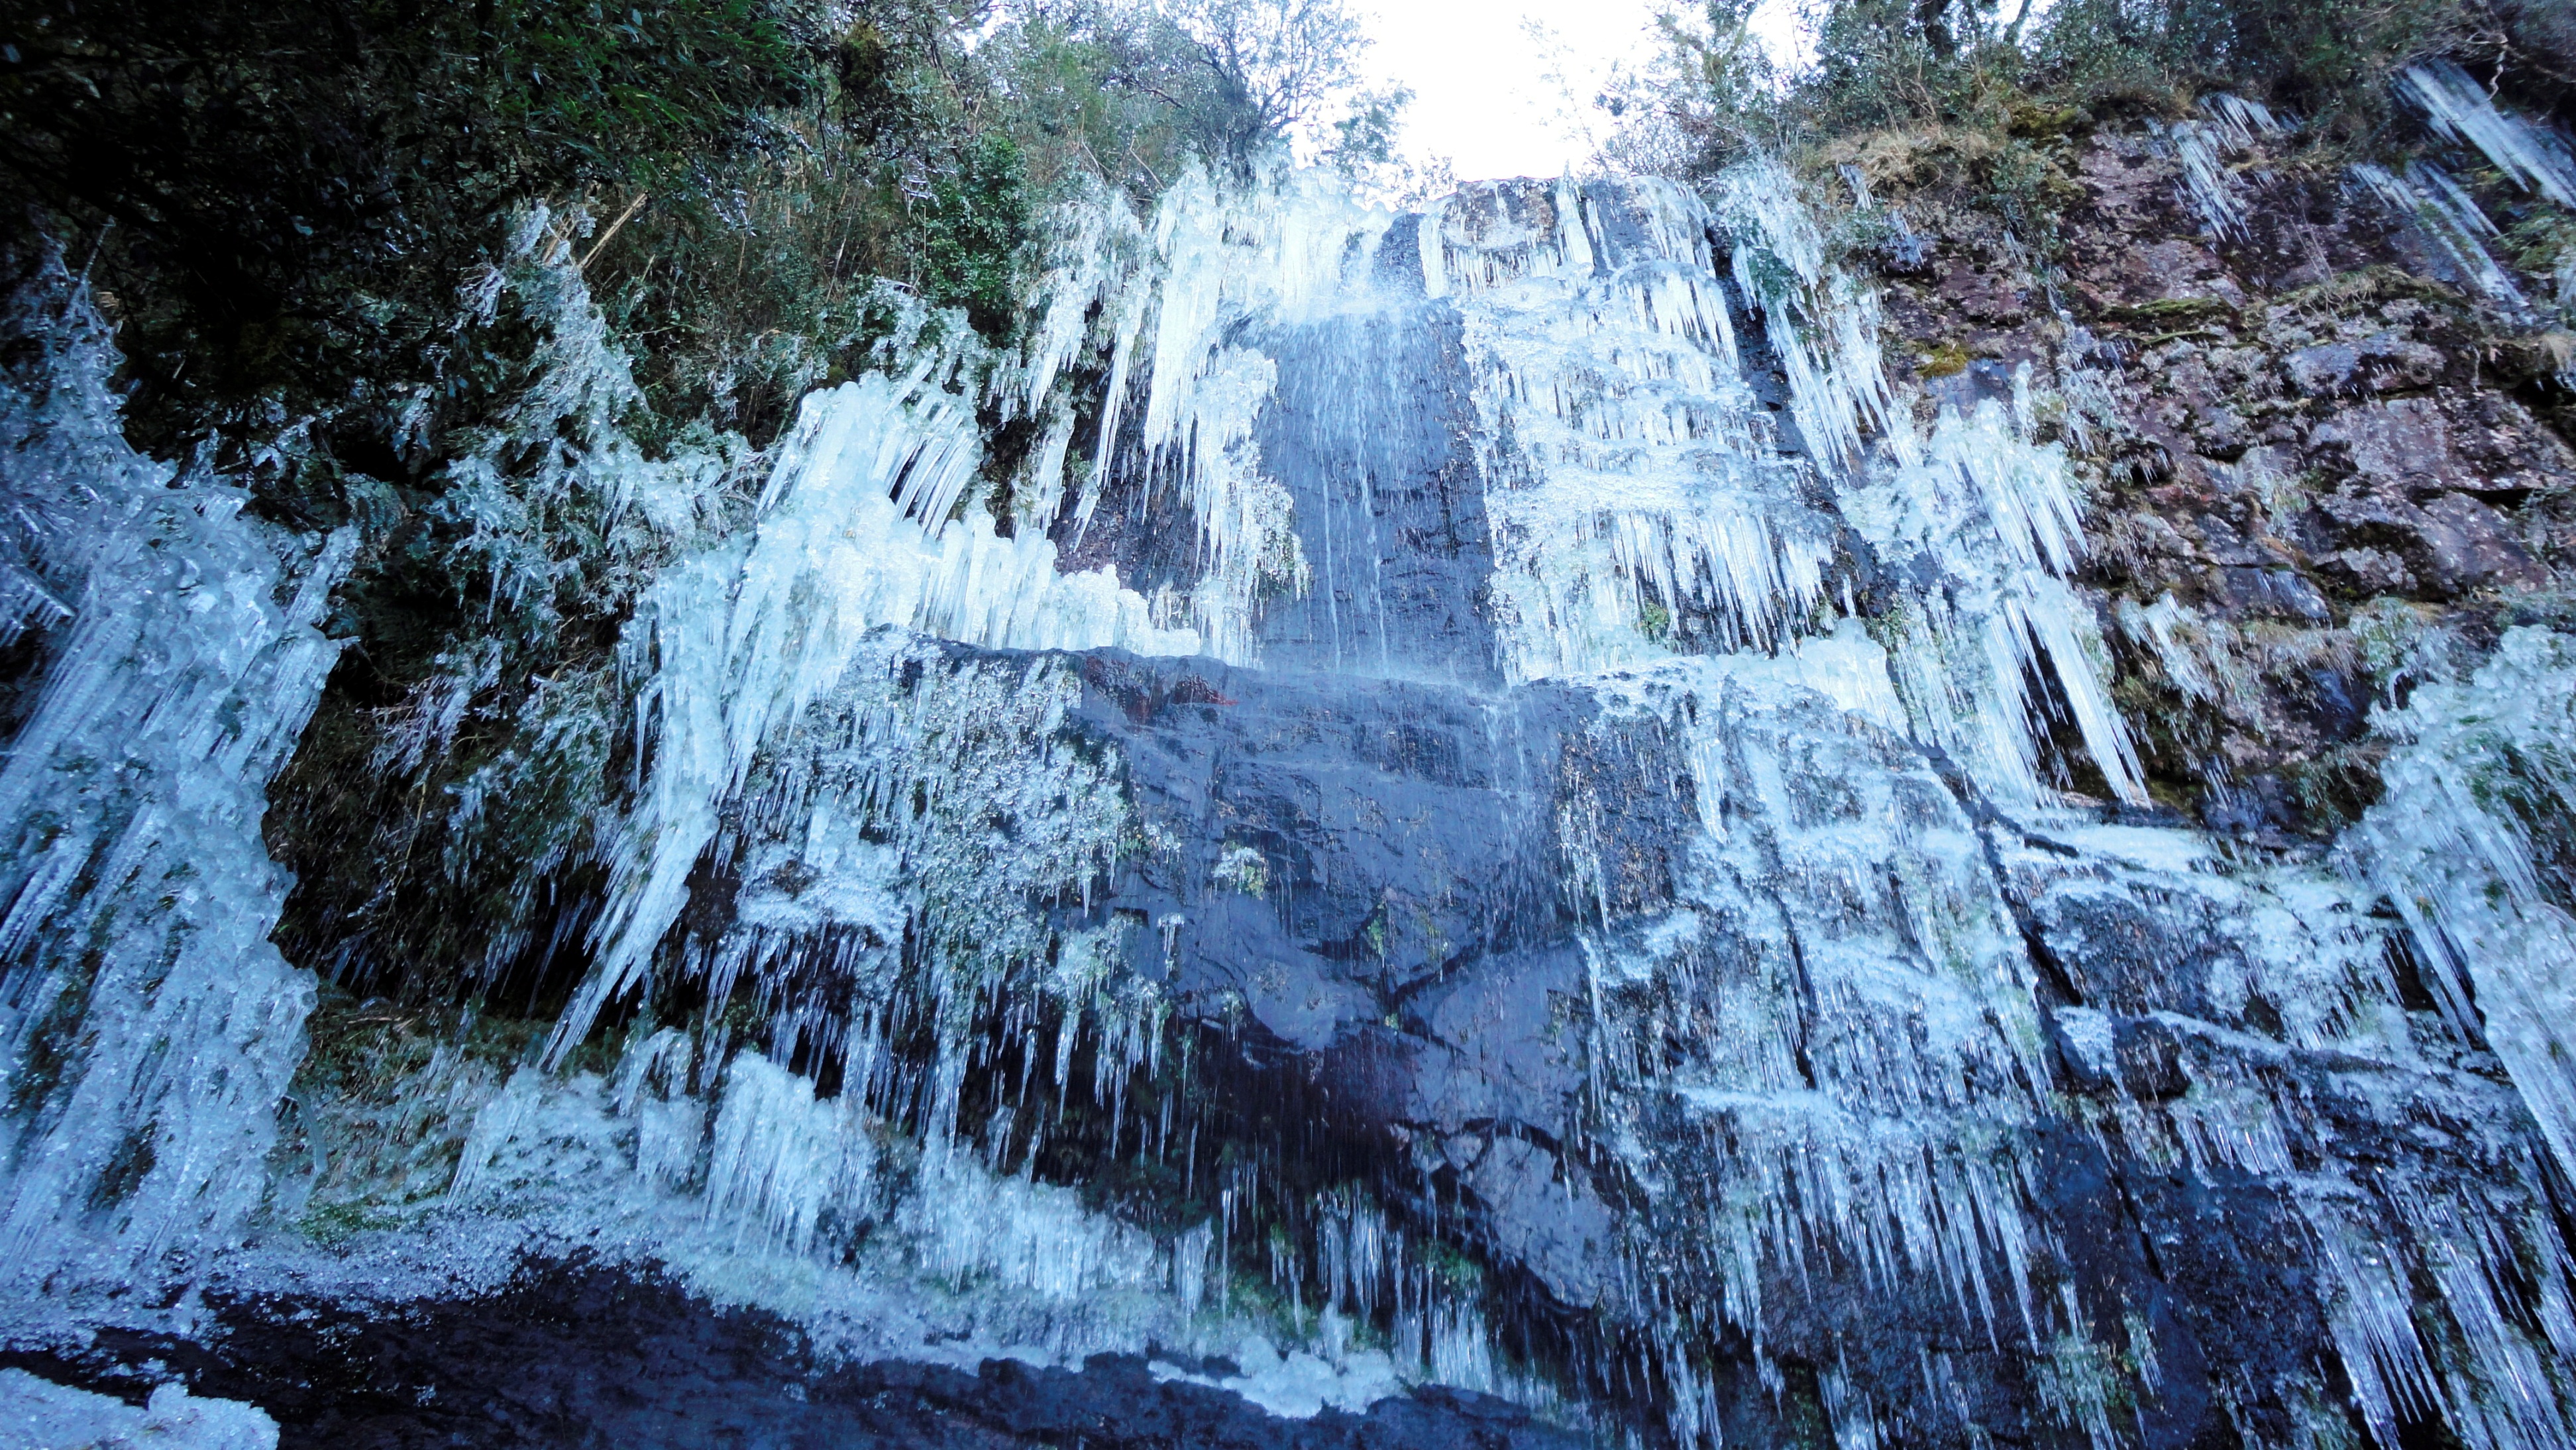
[(1494, 756)]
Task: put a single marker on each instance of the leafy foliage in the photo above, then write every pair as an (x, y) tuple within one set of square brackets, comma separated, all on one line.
[(273, 182), (1997, 67), (973, 229)]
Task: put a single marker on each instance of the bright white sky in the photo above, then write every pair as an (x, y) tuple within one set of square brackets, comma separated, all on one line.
[(1481, 93)]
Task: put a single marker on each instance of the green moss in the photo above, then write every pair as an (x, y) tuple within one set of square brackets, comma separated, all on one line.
[(332, 1224), (2038, 120), (1945, 360), (2166, 312), (2349, 292), (2334, 788)]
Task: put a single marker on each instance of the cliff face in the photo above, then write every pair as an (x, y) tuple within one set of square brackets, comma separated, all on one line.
[(1879, 813)]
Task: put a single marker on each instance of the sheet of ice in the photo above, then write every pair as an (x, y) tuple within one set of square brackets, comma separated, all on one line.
[(37, 1414), (1297, 1384), (1840, 1005), (2309, 946)]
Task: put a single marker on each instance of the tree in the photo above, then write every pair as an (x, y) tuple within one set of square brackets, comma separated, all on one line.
[(1274, 64)]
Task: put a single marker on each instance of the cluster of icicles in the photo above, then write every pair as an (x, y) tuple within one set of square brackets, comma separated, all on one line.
[(799, 713)]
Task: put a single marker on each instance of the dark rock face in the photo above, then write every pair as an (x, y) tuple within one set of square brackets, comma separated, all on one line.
[(1369, 428), (576, 1355), (1384, 834), (2314, 417)]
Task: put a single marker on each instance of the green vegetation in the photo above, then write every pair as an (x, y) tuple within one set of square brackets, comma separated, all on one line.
[(1993, 69)]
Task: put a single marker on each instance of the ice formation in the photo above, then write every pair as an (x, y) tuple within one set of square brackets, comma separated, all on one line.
[(2482, 778), (183, 654), (37, 1415), (2459, 108), (853, 536), (882, 838), (1822, 1134), (1630, 473), (2449, 217), (1994, 514)]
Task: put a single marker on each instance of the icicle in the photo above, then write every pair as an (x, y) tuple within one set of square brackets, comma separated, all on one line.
[(2481, 771), (2449, 218), (1631, 476), (2198, 146), (735, 644), (781, 1159), (2459, 108), (136, 893)]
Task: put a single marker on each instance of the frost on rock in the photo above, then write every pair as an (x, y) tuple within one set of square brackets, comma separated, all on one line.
[(145, 1012), (896, 867), (36, 1414)]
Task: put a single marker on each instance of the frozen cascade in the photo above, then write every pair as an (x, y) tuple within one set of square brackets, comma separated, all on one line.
[(736, 643), (1994, 515), (1867, 1113), (933, 806), (856, 529), (1726, 963), (1225, 259), (145, 1009), (1632, 477)]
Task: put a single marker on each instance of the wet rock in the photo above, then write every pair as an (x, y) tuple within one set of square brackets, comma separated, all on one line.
[(584, 1354), (2279, 592), (1542, 1214), (2466, 546), (1377, 831), (2403, 446), (1505, 1045), (2327, 368), (2382, 362), (2450, 545), (2367, 572)]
